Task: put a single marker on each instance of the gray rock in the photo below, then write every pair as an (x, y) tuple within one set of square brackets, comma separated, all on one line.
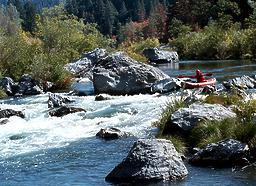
[(119, 74), (29, 86), (4, 121), (185, 119), (111, 134), (209, 89), (161, 56), (56, 100), (7, 113), (225, 153), (149, 160), (166, 85), (244, 82), (64, 110), (85, 64), (102, 97), (7, 85)]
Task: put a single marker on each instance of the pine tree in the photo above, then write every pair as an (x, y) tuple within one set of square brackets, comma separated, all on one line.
[(29, 21)]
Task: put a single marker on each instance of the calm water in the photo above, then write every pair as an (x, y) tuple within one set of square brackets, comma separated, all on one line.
[(43, 150)]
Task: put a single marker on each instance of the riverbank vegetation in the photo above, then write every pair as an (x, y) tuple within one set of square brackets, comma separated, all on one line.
[(241, 128), (41, 41)]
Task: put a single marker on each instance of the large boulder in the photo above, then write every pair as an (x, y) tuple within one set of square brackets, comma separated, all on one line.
[(8, 85), (84, 65), (244, 82), (119, 74), (161, 56), (185, 119), (29, 86), (56, 100), (7, 113), (64, 110), (225, 153), (111, 134), (149, 160)]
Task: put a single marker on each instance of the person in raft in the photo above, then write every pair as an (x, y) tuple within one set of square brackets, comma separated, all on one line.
[(199, 76)]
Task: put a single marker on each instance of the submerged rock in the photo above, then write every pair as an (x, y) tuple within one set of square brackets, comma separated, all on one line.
[(4, 121), (119, 74), (64, 110), (7, 113), (185, 119), (149, 160), (244, 82), (111, 134), (225, 153), (161, 56), (55, 100)]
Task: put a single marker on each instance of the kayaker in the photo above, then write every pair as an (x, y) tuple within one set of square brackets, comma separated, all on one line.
[(199, 76)]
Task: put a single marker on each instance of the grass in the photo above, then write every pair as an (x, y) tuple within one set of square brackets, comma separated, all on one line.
[(224, 99), (3, 94), (170, 108), (178, 142)]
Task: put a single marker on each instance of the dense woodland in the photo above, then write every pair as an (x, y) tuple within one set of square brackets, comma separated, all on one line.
[(37, 40)]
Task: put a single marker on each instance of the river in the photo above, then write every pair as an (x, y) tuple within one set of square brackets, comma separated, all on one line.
[(43, 150)]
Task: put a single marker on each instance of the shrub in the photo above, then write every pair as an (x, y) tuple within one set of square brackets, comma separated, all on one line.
[(135, 49), (170, 108)]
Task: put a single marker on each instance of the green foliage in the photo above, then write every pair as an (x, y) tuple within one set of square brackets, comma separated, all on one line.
[(135, 49), (3, 94), (170, 108), (242, 128), (178, 143), (224, 99)]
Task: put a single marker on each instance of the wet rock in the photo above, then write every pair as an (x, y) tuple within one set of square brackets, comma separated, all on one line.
[(56, 100), (119, 74), (4, 121), (29, 86), (209, 89), (8, 85), (225, 153), (149, 160), (85, 64), (111, 134), (185, 119), (244, 82), (82, 87), (161, 56), (7, 113), (102, 97), (166, 85), (64, 110)]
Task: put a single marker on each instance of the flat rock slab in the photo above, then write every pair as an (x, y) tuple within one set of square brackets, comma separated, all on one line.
[(225, 153), (185, 119), (149, 160)]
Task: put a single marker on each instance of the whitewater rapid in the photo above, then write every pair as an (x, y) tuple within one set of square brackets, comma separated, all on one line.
[(38, 131)]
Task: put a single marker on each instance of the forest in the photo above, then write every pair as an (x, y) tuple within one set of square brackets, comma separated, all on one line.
[(38, 37)]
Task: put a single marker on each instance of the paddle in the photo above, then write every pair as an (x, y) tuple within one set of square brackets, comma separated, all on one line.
[(182, 76)]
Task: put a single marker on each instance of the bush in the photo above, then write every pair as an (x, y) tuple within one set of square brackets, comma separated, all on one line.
[(169, 109), (135, 49)]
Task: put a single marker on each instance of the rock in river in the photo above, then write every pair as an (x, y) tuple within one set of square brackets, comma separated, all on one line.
[(149, 160), (7, 113), (111, 133), (64, 110), (119, 74), (244, 82), (225, 153), (56, 100), (185, 119)]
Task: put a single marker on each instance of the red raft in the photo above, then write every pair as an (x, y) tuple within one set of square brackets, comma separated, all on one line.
[(191, 84)]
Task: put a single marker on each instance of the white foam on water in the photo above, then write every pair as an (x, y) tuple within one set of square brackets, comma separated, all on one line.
[(39, 131)]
